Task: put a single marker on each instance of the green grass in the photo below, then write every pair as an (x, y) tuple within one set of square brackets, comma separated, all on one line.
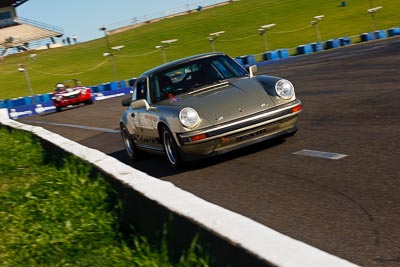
[(240, 20), (52, 215)]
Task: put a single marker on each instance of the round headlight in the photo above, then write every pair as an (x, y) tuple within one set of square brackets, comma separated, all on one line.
[(189, 117), (284, 89)]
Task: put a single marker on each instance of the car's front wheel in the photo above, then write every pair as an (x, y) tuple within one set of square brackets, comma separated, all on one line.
[(89, 101), (130, 147), (171, 149)]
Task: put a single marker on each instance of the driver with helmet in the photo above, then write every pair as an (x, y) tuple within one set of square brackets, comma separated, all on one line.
[(60, 87)]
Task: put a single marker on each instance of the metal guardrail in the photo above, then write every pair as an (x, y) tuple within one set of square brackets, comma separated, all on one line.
[(40, 25), (163, 14)]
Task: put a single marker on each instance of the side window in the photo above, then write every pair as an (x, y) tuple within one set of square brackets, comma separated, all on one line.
[(141, 89)]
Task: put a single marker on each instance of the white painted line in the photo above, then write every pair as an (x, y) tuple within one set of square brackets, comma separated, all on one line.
[(102, 97), (76, 126), (320, 154)]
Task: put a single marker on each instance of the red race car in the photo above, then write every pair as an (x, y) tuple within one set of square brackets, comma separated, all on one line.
[(67, 95)]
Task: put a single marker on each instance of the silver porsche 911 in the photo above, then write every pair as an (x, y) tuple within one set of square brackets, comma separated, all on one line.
[(205, 105)]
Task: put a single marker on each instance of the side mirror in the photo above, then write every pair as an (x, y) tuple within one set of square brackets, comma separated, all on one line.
[(141, 103), (252, 69), (126, 102)]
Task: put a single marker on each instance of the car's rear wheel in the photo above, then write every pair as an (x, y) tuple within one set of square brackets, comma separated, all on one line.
[(171, 149), (130, 147)]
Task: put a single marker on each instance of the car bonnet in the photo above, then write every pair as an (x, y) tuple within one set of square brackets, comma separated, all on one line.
[(228, 100), (70, 91)]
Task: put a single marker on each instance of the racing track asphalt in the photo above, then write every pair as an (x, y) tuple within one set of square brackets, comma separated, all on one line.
[(349, 207)]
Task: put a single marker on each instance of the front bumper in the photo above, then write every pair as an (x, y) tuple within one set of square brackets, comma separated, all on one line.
[(72, 101), (259, 127)]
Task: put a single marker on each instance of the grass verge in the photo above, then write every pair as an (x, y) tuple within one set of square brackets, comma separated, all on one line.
[(60, 215)]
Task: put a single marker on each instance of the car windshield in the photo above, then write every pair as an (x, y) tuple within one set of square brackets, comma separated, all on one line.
[(194, 74)]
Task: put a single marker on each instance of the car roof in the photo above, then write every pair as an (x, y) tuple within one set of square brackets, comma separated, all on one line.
[(180, 61)]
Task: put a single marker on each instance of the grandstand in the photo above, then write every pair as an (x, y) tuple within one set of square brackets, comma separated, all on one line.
[(21, 34)]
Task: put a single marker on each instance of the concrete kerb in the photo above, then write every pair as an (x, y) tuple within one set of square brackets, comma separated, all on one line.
[(240, 240)]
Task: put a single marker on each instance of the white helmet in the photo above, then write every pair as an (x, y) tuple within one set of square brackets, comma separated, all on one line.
[(60, 86)]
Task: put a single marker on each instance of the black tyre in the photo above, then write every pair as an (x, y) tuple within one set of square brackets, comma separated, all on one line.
[(171, 149), (130, 147)]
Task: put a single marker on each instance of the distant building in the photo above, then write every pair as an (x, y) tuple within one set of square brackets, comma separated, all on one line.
[(18, 34)]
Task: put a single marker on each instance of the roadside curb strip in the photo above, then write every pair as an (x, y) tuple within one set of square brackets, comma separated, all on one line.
[(261, 245)]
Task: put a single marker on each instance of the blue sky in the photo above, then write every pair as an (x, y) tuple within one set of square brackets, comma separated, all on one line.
[(83, 18)]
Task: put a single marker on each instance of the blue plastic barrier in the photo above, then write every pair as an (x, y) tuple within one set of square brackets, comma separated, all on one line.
[(7, 103), (107, 86), (345, 41), (304, 49), (93, 89), (28, 110), (239, 60), (244, 60), (47, 97), (100, 88), (132, 81), (251, 59), (367, 37), (28, 100), (15, 102), (3, 104), (113, 85), (394, 32), (38, 98), (125, 90), (248, 60), (283, 53), (333, 43), (122, 84), (316, 47), (380, 34), (271, 55)]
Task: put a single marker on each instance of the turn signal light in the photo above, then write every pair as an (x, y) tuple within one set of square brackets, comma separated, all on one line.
[(297, 108), (198, 137)]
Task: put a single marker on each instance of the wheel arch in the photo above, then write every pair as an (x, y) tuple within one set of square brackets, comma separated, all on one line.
[(160, 126)]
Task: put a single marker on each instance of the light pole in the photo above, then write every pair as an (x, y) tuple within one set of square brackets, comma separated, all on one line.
[(163, 48), (372, 11), (23, 68), (315, 24), (263, 32), (109, 53), (163, 53), (211, 38), (114, 66)]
